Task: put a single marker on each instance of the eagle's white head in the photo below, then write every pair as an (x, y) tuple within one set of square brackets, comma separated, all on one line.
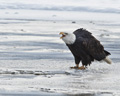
[(68, 38)]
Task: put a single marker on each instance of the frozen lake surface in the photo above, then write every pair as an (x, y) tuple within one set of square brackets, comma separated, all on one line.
[(35, 61)]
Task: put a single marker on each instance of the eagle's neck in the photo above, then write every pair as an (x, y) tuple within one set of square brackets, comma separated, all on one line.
[(69, 39)]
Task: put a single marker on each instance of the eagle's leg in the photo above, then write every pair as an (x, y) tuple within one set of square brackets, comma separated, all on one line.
[(82, 67), (77, 67)]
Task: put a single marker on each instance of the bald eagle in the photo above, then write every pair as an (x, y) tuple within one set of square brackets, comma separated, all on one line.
[(85, 48)]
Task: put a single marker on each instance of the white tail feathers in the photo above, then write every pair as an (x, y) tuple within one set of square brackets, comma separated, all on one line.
[(107, 60)]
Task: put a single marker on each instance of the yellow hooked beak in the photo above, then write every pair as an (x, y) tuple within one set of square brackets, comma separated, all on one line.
[(63, 35)]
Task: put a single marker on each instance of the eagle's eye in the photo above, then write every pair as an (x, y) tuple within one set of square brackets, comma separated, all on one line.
[(66, 33)]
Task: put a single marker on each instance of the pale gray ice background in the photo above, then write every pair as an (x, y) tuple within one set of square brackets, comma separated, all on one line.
[(34, 61)]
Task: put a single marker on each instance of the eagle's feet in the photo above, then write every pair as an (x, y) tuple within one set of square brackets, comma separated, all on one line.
[(76, 67)]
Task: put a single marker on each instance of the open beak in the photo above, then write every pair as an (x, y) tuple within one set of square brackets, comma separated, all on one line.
[(63, 35)]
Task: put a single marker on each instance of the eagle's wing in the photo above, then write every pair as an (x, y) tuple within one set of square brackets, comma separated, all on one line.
[(90, 44)]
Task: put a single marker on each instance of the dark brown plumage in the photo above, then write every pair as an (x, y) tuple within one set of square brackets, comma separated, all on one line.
[(87, 48)]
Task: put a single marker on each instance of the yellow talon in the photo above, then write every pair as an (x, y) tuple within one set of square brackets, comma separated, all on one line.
[(76, 67)]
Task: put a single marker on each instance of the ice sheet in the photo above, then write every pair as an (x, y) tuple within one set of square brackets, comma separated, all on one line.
[(34, 59)]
